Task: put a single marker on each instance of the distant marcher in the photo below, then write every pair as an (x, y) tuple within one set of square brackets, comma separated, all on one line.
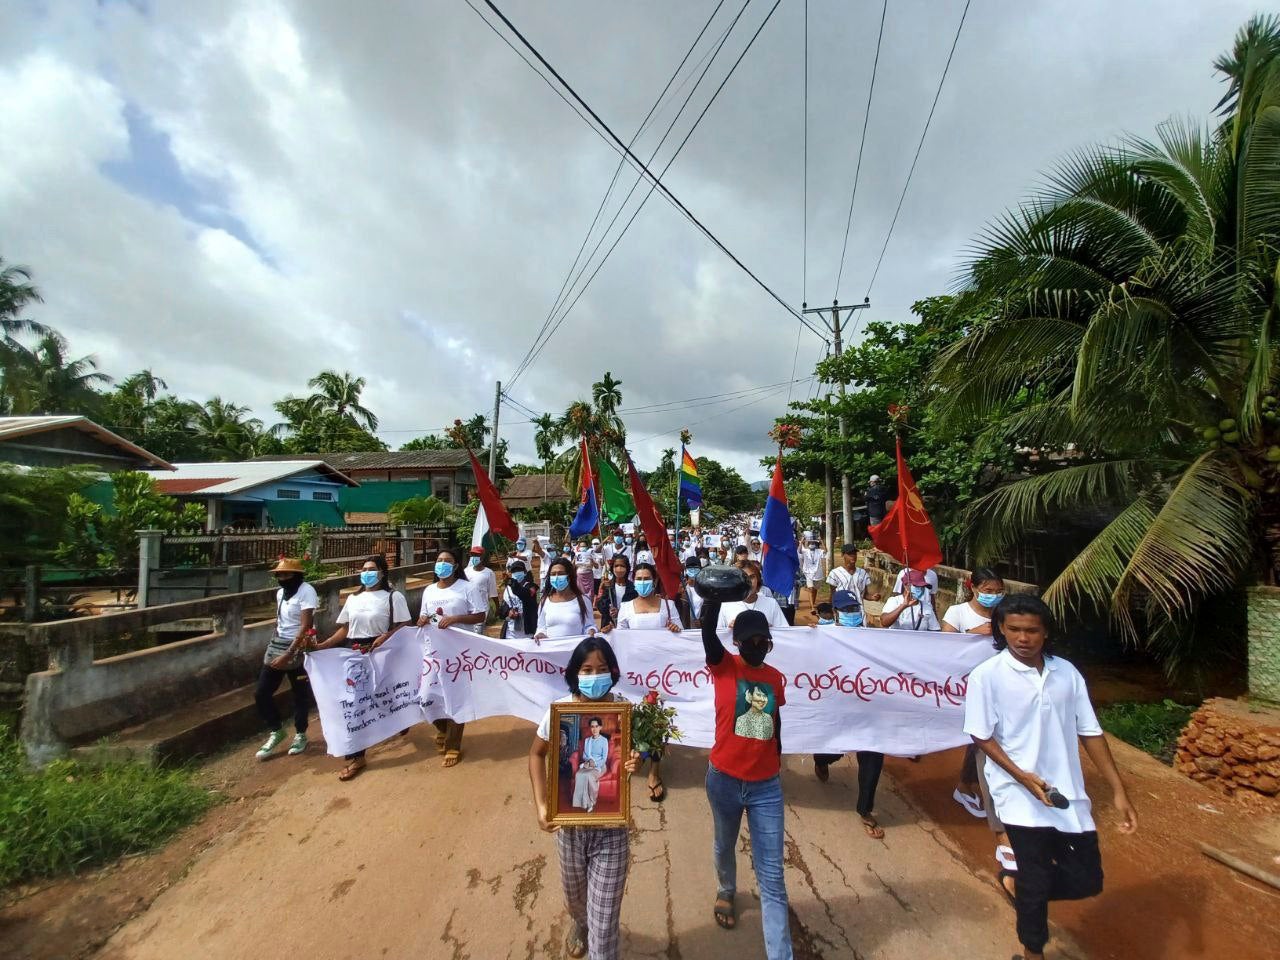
[(812, 559), (584, 569), (1029, 712), (367, 618), (518, 603), (930, 580), (616, 590), (296, 604), (757, 599), (877, 496), (853, 578), (563, 611), (482, 579), (451, 601)]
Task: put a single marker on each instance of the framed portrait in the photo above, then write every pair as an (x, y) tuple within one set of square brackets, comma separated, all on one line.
[(587, 785)]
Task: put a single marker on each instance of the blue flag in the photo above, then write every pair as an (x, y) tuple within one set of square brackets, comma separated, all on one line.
[(780, 560), (588, 516)]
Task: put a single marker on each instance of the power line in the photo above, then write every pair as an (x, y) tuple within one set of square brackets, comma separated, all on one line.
[(609, 190), (804, 243), (942, 80), (635, 160), (643, 201), (866, 118), (708, 402), (768, 396), (538, 347)]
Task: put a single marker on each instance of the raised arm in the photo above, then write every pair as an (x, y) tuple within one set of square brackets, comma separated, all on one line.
[(710, 639)]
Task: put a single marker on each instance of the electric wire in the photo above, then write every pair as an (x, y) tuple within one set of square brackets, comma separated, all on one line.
[(644, 124), (857, 171), (666, 191), (920, 146), (804, 203), (768, 396), (543, 336), (635, 213)]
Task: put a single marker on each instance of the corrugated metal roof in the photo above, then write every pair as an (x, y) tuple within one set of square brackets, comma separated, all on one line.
[(11, 428), (528, 490), (227, 478), (173, 486), (385, 459)]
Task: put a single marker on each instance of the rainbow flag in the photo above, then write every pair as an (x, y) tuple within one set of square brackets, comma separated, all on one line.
[(690, 489)]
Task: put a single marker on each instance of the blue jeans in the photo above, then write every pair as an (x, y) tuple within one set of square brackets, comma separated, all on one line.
[(762, 800)]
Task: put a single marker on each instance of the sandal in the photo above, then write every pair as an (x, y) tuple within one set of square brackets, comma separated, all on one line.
[(451, 758), (1006, 858), (1009, 894), (575, 944), (657, 791), (440, 744), (352, 770), (725, 914), (874, 830)]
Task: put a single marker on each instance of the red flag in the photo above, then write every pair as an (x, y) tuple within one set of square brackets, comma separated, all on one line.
[(655, 531), (906, 533), (495, 510)]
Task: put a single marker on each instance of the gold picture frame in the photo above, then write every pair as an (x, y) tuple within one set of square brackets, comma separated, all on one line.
[(576, 797)]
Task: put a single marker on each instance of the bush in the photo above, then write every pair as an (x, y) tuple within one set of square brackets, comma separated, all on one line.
[(69, 816), (1151, 727)]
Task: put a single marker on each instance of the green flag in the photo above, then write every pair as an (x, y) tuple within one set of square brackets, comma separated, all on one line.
[(618, 507)]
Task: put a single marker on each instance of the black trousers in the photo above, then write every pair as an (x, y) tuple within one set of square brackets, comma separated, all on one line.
[(790, 614), (870, 766), (265, 697), (1052, 865)]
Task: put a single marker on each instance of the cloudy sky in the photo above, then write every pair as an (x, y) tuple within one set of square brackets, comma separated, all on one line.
[(240, 194)]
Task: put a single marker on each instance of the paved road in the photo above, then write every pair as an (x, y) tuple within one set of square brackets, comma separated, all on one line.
[(414, 861)]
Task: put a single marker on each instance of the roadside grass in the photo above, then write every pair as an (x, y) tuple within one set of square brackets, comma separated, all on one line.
[(73, 815), (1151, 727)]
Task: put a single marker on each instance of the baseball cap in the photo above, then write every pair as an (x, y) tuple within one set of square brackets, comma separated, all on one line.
[(844, 600), (595, 542), (477, 551), (875, 478), (750, 623)]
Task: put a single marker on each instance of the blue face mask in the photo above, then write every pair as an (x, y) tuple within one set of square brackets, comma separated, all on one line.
[(369, 578), (825, 623), (644, 587), (989, 600), (850, 619), (444, 569), (919, 592), (519, 544), (629, 540), (618, 541), (475, 562), (518, 576), (595, 686), (714, 556), (553, 553), (559, 582)]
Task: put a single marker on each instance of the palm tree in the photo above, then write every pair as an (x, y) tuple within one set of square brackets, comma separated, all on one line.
[(42, 379), (1134, 312), (223, 429), (545, 437), (16, 293), (339, 394), (606, 394)]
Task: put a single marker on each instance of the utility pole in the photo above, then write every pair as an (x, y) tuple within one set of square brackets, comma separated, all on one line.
[(846, 493), (493, 443)]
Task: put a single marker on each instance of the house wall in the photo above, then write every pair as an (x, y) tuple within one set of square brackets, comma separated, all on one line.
[(67, 448)]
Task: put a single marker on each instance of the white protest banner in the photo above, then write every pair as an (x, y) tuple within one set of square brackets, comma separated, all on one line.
[(895, 691), (364, 699)]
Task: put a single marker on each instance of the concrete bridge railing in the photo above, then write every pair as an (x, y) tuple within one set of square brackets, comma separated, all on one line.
[(80, 699)]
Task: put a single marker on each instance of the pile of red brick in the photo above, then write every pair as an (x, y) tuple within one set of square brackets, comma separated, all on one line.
[(1232, 746)]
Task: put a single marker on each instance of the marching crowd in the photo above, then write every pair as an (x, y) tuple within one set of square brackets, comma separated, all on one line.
[(1026, 709)]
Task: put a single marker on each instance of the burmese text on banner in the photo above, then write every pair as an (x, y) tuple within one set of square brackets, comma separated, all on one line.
[(898, 692)]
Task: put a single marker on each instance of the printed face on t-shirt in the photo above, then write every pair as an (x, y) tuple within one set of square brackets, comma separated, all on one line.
[(754, 710)]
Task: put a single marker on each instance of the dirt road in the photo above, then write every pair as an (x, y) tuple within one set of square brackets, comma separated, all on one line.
[(413, 861)]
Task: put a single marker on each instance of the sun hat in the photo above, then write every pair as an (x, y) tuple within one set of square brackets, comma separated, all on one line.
[(916, 578), (288, 565)]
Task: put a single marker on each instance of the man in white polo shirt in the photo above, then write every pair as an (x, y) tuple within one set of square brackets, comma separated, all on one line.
[(1030, 714)]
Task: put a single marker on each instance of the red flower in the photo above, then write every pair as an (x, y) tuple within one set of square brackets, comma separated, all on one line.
[(651, 697)]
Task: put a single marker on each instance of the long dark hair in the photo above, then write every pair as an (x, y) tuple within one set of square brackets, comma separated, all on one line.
[(981, 575), (379, 561), (458, 568), (653, 572), (580, 654), (1021, 603), (569, 571)]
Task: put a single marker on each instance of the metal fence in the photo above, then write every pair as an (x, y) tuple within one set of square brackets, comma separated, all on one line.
[(237, 548)]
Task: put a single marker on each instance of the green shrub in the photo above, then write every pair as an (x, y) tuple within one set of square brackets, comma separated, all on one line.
[(1151, 727), (70, 815)]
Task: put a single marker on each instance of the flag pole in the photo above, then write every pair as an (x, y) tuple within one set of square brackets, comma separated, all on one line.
[(679, 471)]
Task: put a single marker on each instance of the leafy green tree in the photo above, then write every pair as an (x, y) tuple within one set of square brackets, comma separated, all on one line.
[(476, 432), (33, 511), (100, 539), (224, 430), (1134, 306), (418, 511), (17, 292), (42, 379)]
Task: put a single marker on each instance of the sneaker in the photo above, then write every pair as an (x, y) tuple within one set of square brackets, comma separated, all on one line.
[(273, 741), (299, 744)]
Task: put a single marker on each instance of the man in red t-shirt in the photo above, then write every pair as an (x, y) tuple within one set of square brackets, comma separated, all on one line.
[(745, 769)]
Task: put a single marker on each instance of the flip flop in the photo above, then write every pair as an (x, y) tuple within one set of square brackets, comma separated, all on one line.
[(971, 804), (1001, 877), (726, 916), (873, 828), (658, 792), (451, 758), (575, 943), (1005, 857), (352, 770)]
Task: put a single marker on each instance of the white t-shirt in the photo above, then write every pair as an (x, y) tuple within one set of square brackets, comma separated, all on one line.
[(597, 564), (930, 579), (811, 563), (856, 582), (526, 555), (483, 580), (582, 557), (458, 599), (544, 725), (289, 612), (1038, 718), (565, 618), (515, 628), (630, 619), (695, 602), (766, 605), (920, 617), (962, 617), (368, 614)]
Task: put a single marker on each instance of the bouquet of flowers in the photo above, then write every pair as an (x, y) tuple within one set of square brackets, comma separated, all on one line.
[(786, 435), (653, 726)]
